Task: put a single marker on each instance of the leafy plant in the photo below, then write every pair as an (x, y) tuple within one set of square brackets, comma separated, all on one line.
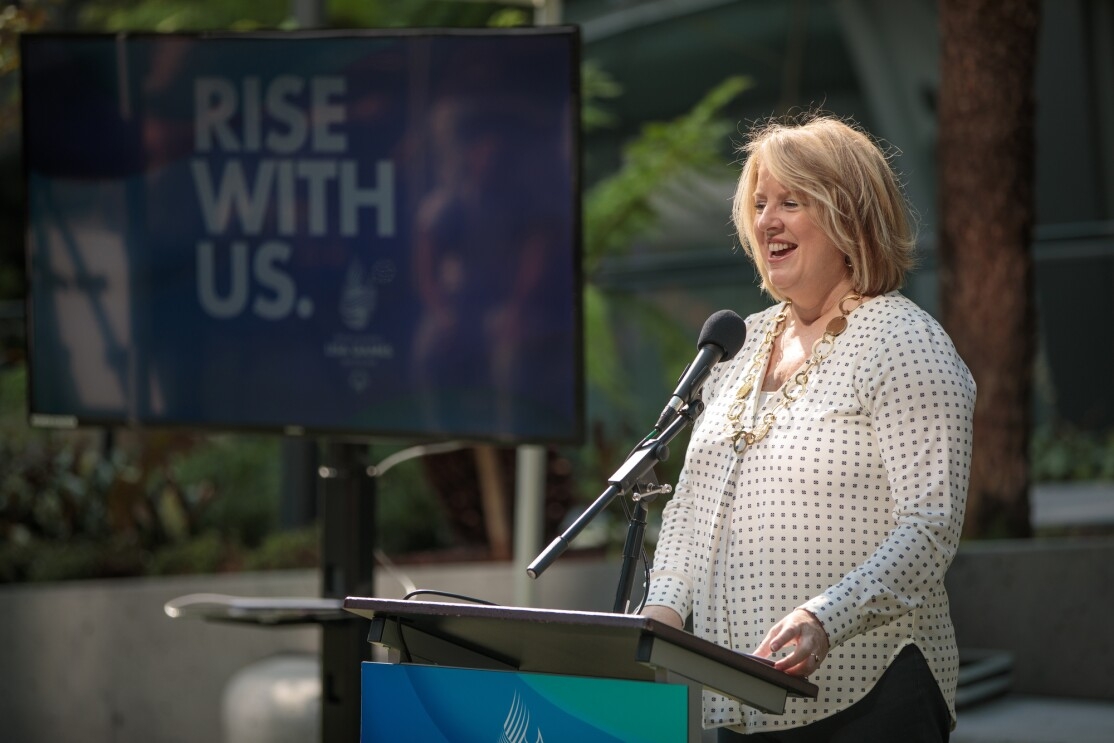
[(1059, 452), (81, 504), (210, 552), (620, 210), (185, 15), (245, 470), (286, 550)]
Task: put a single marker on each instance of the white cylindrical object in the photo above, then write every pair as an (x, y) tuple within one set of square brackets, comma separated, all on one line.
[(275, 700)]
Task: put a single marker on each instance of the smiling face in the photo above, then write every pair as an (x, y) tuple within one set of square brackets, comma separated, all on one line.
[(845, 192), (798, 260)]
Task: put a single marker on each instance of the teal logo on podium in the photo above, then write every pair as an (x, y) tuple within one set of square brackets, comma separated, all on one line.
[(516, 728), (435, 704)]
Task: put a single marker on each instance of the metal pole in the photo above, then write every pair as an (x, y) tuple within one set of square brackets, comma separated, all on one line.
[(530, 460), (308, 13), (547, 12)]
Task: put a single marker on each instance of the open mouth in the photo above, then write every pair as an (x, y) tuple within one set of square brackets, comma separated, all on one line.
[(780, 250)]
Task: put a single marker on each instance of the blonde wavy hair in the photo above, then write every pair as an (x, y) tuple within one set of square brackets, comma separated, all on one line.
[(851, 192)]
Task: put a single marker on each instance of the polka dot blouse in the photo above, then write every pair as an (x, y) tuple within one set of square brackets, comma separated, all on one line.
[(851, 507)]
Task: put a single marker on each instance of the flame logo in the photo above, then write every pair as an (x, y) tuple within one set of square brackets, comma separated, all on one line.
[(517, 725)]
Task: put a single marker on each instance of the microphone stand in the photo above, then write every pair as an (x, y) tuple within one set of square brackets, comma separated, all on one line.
[(632, 474), (632, 549)]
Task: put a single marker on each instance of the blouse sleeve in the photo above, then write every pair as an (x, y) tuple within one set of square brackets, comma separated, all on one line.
[(671, 576), (921, 397)]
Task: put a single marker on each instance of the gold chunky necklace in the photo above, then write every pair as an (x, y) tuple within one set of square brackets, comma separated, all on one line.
[(794, 387)]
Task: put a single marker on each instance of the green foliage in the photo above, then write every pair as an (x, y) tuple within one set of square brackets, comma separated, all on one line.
[(409, 515), (1063, 453), (603, 367), (286, 550), (249, 15), (83, 504), (207, 553), (596, 86), (508, 18), (68, 560), (413, 13), (246, 470), (619, 210), (51, 487), (16, 20), (185, 15)]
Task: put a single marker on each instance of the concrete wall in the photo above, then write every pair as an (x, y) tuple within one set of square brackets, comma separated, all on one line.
[(100, 660), (1049, 602)]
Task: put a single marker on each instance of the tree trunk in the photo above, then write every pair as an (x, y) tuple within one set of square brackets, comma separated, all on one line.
[(986, 208)]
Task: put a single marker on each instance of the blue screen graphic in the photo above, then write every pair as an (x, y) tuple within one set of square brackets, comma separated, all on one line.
[(372, 233)]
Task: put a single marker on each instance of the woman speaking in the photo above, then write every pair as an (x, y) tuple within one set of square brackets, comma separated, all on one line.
[(822, 496)]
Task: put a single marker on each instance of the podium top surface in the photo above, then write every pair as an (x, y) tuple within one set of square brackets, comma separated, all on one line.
[(559, 641)]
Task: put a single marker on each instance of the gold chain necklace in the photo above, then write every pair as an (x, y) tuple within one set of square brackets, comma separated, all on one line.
[(793, 387)]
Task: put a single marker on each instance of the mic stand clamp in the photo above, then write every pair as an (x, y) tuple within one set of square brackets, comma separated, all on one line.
[(636, 531)]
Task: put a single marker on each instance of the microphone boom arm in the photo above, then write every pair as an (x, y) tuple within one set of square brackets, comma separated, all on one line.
[(639, 464)]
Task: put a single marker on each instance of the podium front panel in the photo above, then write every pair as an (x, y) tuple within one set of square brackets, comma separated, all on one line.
[(435, 704)]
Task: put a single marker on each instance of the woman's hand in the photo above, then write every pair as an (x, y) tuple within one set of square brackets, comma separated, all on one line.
[(802, 630), (663, 614)]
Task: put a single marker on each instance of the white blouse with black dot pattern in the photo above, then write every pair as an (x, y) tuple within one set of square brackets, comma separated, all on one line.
[(851, 507)]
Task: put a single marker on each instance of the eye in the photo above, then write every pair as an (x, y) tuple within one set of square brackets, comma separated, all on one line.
[(759, 206)]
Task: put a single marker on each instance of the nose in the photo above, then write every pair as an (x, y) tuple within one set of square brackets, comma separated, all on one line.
[(767, 221)]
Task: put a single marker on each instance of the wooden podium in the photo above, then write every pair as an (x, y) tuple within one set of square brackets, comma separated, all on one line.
[(574, 644)]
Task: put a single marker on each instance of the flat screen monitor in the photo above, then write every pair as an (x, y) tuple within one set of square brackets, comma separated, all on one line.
[(359, 233)]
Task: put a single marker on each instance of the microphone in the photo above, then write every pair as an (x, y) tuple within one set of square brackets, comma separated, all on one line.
[(720, 339)]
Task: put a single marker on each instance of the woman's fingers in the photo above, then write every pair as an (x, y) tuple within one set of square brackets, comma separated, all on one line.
[(805, 638)]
